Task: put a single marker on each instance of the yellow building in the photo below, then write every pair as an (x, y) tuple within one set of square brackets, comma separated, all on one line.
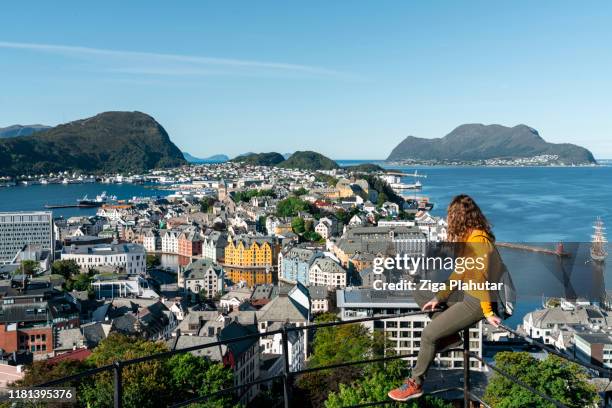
[(252, 252), (252, 260)]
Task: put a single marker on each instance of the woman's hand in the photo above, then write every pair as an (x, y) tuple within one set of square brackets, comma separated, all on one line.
[(431, 305), (494, 320)]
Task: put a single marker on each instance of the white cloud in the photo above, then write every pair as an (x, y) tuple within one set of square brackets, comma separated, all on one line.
[(150, 63)]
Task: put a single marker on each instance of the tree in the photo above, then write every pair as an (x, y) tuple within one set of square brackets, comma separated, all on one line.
[(140, 381), (291, 206), (149, 384), (298, 225), (382, 198), (153, 261), (261, 222), (192, 376), (66, 268), (206, 204), (374, 386), (312, 236), (42, 371), (558, 378), (246, 195), (300, 192), (82, 282), (29, 267), (333, 345)]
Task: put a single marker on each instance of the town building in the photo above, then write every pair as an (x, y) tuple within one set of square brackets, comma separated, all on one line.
[(128, 258), (201, 276), (18, 229), (189, 243), (594, 348), (169, 241), (294, 264), (213, 245), (122, 286), (327, 272)]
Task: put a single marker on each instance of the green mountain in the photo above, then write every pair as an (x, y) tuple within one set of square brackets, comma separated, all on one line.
[(107, 142), (308, 160), (365, 168), (21, 130), (260, 159), (474, 142)]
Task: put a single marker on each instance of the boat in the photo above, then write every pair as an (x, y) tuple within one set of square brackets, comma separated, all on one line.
[(598, 242), (394, 179), (419, 203), (99, 201)]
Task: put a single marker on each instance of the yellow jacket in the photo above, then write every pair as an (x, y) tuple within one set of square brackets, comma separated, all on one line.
[(478, 245)]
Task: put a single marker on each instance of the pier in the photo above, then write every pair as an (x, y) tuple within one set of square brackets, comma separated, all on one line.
[(531, 248), (49, 206)]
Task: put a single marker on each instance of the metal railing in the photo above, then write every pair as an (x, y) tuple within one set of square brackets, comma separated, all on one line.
[(288, 375)]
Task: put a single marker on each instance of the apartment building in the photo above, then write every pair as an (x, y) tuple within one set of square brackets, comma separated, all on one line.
[(18, 229), (294, 264), (202, 276), (327, 272)]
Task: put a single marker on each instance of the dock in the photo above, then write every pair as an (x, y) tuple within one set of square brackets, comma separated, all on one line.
[(51, 206), (531, 248)]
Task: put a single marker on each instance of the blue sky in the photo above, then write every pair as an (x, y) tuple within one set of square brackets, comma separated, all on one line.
[(350, 79)]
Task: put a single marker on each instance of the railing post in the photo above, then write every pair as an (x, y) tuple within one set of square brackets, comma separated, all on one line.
[(286, 372), (466, 367), (118, 392)]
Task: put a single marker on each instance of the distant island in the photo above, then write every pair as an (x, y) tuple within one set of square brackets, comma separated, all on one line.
[(21, 130), (216, 158), (305, 160), (308, 160), (107, 142), (260, 159), (477, 144)]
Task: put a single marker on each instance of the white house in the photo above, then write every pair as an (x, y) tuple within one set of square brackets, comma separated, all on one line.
[(129, 258), (203, 276), (169, 241), (326, 272), (150, 241), (325, 227)]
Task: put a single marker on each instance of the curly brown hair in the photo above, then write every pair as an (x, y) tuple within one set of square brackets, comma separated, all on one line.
[(464, 215)]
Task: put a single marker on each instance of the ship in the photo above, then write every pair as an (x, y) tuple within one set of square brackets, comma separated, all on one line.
[(99, 201), (598, 242)]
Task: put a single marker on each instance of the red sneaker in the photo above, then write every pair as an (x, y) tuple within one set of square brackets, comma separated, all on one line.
[(408, 390)]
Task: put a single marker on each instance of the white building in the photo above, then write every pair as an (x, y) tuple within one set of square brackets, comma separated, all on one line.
[(18, 229), (151, 241), (213, 245), (594, 348), (434, 227), (169, 241), (325, 227), (545, 324), (326, 272), (122, 286), (319, 300), (128, 258), (202, 275)]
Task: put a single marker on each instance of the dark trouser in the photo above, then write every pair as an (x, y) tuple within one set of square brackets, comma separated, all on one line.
[(463, 311)]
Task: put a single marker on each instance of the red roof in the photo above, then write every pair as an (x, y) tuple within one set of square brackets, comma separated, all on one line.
[(78, 355)]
